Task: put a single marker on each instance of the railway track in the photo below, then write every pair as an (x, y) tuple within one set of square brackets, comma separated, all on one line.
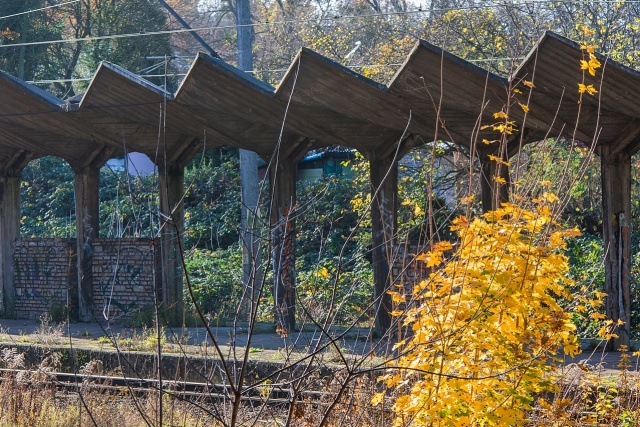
[(270, 394)]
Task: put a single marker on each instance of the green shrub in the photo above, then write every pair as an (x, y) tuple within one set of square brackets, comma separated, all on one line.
[(216, 280)]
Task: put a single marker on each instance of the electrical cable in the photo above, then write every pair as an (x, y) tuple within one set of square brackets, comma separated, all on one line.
[(151, 68), (315, 20), (39, 10)]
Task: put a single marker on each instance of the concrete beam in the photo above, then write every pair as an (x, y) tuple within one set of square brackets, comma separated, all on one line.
[(616, 231), (9, 232), (626, 137), (384, 207), (282, 178), (171, 177), (87, 188)]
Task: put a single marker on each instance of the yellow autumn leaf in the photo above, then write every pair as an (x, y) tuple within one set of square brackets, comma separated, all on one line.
[(459, 223), (397, 297), (466, 200), (498, 160), (571, 349), (499, 180), (544, 404), (591, 65), (587, 31), (506, 128), (377, 399), (323, 273), (442, 246), (399, 344), (584, 65), (430, 258)]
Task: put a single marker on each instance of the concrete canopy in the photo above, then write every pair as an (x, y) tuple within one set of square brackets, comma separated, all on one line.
[(454, 97), (433, 96), (609, 117), (35, 123), (318, 103)]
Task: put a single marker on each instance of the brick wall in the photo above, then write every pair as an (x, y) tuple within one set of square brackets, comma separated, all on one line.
[(46, 278), (122, 277)]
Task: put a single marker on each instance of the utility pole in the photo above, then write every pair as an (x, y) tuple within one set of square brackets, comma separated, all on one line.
[(250, 235)]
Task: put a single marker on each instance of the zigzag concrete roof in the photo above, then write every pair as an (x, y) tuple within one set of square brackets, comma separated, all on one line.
[(610, 117), (434, 95)]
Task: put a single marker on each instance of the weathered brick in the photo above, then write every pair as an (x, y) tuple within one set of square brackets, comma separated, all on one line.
[(46, 275)]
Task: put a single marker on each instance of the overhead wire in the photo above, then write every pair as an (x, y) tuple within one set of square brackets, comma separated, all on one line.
[(336, 17), (53, 6), (282, 22)]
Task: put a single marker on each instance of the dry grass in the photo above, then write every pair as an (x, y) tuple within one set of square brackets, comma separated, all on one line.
[(48, 332), (39, 405), (29, 399), (590, 396), (32, 403), (586, 396)]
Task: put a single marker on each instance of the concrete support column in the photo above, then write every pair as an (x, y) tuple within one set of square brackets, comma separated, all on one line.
[(493, 193), (9, 232), (171, 232), (616, 231), (283, 189), (250, 236), (87, 187), (384, 196)]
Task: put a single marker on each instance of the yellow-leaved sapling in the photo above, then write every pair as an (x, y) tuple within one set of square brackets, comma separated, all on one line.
[(486, 326)]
